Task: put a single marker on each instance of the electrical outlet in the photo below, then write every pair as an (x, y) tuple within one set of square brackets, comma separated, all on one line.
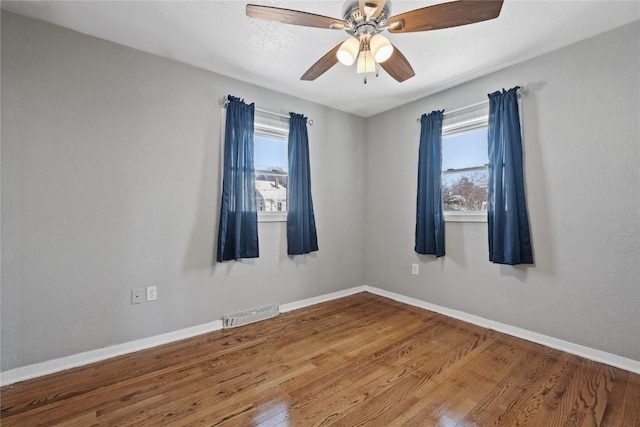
[(136, 296), (152, 293), (415, 269)]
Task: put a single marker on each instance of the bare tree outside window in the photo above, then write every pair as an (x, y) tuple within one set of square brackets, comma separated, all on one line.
[(465, 168), (465, 176), (467, 193)]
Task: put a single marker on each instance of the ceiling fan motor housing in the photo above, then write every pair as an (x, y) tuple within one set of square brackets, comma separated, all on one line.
[(364, 22), (358, 25)]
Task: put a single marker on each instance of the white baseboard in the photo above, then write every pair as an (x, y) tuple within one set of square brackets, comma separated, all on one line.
[(75, 360), (566, 346), (52, 366), (322, 298)]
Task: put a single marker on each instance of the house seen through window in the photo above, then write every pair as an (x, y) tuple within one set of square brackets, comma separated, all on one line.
[(271, 171), (465, 174)]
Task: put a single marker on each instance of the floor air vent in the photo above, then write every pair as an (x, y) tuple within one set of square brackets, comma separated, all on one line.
[(249, 316)]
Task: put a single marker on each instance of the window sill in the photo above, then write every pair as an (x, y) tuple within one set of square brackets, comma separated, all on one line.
[(465, 217), (272, 217)]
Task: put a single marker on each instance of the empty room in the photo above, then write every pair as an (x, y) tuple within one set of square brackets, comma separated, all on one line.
[(320, 213)]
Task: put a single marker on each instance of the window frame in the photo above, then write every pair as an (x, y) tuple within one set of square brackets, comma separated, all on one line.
[(268, 127), (458, 122)]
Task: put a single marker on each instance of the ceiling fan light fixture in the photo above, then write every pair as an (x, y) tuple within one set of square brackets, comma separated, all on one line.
[(381, 48), (348, 51), (366, 64)]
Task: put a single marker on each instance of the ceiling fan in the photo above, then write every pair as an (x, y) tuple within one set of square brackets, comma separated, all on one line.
[(364, 20)]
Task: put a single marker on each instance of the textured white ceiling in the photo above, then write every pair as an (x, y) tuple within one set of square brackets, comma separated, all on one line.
[(217, 36)]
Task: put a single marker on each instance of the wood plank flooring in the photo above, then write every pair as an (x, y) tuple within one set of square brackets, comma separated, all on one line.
[(360, 360)]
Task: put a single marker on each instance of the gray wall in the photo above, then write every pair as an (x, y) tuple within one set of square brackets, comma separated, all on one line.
[(110, 181), (581, 142)]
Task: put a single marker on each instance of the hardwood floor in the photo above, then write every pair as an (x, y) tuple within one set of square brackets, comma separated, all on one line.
[(359, 360)]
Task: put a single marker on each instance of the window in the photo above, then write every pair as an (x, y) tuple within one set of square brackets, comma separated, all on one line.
[(465, 174), (271, 168)]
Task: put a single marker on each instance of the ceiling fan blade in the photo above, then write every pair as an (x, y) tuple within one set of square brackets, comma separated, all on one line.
[(295, 17), (379, 8), (322, 65), (371, 8), (397, 66), (445, 15)]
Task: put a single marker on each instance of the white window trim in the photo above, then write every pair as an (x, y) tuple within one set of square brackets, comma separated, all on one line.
[(468, 216), (268, 127), (272, 216), (460, 122)]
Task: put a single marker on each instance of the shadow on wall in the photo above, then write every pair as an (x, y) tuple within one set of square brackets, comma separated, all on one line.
[(301, 260), (432, 259), (541, 236), (519, 272), (201, 251), (455, 238)]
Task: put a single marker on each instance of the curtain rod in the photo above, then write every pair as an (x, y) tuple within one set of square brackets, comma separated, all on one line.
[(225, 103), (520, 92)]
